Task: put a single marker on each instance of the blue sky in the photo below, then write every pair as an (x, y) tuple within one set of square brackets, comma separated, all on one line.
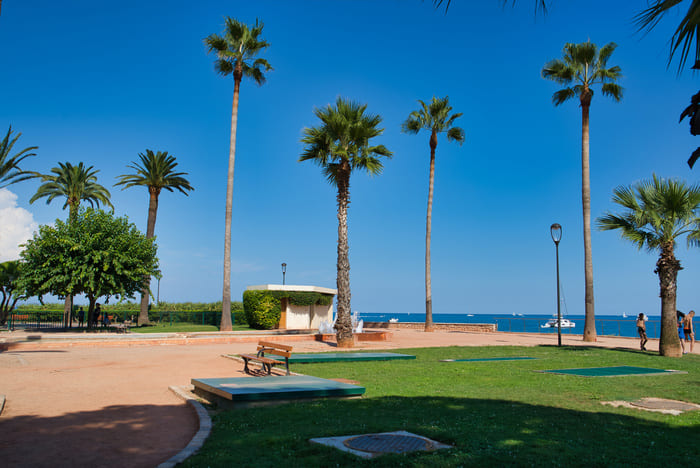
[(100, 82)]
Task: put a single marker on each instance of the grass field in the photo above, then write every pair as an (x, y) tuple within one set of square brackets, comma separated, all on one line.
[(494, 413)]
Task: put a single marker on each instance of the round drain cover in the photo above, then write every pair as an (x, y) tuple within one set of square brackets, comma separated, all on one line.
[(660, 403), (387, 443)]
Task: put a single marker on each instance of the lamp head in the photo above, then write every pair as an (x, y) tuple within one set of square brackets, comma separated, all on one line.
[(284, 268), (555, 231)]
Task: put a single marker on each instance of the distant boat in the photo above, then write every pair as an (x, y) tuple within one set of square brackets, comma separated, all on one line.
[(552, 323), (393, 320), (470, 315), (624, 315)]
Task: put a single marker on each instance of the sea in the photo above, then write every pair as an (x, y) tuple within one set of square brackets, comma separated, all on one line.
[(612, 325)]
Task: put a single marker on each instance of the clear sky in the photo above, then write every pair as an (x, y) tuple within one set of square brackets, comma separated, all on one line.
[(100, 82)]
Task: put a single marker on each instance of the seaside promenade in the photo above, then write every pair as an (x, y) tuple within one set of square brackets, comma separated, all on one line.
[(103, 400)]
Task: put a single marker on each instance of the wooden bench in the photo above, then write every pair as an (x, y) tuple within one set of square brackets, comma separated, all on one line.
[(124, 327), (266, 347)]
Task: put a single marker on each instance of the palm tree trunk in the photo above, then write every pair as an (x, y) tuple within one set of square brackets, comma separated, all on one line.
[(428, 232), (153, 193), (73, 206), (667, 268), (226, 324), (343, 323), (589, 333)]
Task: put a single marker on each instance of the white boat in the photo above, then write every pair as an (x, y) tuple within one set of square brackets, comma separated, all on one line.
[(624, 315), (552, 323), (393, 320)]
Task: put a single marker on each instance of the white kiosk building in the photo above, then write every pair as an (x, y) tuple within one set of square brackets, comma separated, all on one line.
[(300, 317)]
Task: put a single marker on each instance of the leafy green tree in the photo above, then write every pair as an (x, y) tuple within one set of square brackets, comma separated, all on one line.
[(340, 145), (10, 172), (96, 254), (236, 52), (582, 67), (156, 172), (9, 274), (435, 118), (655, 215), (76, 183)]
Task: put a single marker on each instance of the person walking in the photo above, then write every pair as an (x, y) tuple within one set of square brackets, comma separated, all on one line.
[(642, 330), (688, 329), (81, 317), (679, 317)]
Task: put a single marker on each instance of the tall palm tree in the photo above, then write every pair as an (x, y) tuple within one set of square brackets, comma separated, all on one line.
[(156, 172), (582, 67), (235, 54), (10, 172), (340, 145), (435, 118), (655, 215), (75, 183)]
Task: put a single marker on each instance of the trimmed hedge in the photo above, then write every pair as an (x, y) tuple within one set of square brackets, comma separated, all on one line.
[(208, 313), (262, 307)]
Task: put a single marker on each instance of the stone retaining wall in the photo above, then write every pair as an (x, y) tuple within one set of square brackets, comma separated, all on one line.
[(467, 327)]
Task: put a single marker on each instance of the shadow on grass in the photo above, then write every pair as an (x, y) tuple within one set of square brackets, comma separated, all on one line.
[(115, 436), (483, 432)]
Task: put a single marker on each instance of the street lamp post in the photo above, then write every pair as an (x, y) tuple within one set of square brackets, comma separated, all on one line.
[(555, 231), (284, 272)]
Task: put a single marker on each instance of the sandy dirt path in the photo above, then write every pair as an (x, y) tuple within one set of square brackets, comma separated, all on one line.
[(110, 406)]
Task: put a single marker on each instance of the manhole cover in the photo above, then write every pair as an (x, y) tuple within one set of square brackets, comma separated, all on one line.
[(387, 443), (660, 403)]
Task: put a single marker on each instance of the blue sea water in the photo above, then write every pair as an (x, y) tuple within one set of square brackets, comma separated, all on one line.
[(614, 325)]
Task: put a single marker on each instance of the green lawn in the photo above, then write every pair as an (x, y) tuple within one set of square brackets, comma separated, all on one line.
[(494, 413), (183, 327)]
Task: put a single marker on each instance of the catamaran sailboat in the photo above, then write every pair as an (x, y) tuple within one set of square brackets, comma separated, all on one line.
[(565, 323), (552, 323)]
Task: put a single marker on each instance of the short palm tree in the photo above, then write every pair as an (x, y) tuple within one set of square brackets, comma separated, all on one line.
[(156, 172), (10, 172), (655, 215), (435, 118), (75, 183), (235, 54), (341, 145), (582, 67)]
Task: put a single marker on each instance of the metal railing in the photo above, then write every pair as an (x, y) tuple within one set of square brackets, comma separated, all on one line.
[(609, 327)]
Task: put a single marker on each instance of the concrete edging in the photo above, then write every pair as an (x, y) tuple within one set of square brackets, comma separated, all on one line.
[(197, 441)]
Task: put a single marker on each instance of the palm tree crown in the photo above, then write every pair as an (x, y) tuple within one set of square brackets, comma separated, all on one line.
[(10, 171), (657, 212), (237, 48), (585, 66), (436, 118), (76, 183), (341, 144), (156, 171)]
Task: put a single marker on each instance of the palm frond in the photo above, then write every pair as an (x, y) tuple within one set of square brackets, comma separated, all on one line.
[(613, 90), (685, 34), (10, 172), (563, 95)]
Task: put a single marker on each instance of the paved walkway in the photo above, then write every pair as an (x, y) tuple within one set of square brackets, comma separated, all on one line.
[(80, 401)]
